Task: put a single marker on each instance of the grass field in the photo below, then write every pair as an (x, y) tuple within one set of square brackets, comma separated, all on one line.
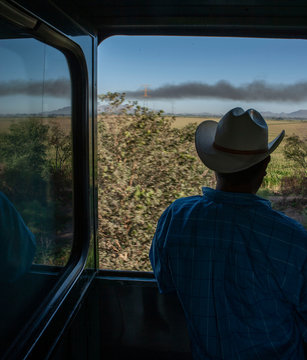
[(278, 167), (298, 127), (63, 121)]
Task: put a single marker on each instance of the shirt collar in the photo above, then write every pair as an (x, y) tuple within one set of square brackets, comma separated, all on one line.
[(234, 198)]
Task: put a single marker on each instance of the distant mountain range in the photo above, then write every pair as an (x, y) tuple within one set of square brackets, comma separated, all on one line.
[(66, 111), (300, 114)]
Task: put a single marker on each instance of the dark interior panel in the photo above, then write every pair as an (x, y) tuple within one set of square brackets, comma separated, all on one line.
[(123, 318)]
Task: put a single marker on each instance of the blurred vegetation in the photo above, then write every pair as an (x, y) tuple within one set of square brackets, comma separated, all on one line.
[(295, 152), (144, 164), (36, 175)]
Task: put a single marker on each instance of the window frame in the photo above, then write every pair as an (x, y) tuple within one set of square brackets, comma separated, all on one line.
[(32, 331), (218, 29)]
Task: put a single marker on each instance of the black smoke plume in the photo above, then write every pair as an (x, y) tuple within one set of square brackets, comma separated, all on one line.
[(54, 87), (256, 90)]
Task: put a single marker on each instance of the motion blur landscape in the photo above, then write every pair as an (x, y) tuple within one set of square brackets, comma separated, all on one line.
[(147, 159), (157, 89)]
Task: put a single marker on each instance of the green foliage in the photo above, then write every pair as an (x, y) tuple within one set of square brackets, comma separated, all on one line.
[(26, 140), (60, 145), (36, 175), (23, 153), (295, 150), (144, 165)]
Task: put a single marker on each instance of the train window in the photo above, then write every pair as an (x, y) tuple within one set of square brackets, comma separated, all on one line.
[(36, 208), (36, 147), (153, 91)]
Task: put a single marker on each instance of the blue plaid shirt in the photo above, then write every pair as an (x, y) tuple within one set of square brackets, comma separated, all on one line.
[(240, 271)]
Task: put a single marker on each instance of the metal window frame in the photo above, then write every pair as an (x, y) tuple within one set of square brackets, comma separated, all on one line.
[(264, 31), (38, 29)]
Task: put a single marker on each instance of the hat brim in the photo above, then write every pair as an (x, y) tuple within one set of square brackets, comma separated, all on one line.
[(224, 162)]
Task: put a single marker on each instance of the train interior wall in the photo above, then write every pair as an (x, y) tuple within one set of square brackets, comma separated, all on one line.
[(125, 319)]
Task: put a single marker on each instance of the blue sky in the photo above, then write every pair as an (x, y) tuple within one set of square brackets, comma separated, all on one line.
[(126, 63), (30, 61)]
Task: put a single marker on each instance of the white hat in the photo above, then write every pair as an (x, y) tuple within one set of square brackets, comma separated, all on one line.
[(238, 141)]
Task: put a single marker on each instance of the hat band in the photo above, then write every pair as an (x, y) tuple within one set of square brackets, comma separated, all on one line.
[(240, 152)]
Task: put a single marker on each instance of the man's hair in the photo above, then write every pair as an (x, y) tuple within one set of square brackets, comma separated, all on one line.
[(244, 176)]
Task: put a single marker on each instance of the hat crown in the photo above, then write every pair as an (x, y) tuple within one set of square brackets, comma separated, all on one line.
[(242, 130)]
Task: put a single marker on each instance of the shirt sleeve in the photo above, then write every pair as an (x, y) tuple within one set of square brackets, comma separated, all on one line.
[(158, 253)]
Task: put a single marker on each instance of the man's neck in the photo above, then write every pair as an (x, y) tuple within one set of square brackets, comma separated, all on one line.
[(248, 188)]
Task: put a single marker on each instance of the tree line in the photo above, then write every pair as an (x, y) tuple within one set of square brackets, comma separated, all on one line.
[(36, 175), (144, 163)]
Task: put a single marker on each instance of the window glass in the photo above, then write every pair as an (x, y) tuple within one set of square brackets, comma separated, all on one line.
[(36, 146), (153, 92), (36, 207)]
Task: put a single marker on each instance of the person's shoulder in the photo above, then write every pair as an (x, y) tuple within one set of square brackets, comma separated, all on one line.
[(285, 222), (183, 205), (4, 201), (186, 201), (8, 210), (2, 196)]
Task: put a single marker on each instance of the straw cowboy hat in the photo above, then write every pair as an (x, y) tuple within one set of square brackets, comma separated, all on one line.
[(238, 141)]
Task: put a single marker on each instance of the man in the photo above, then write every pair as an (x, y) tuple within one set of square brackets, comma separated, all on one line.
[(239, 267)]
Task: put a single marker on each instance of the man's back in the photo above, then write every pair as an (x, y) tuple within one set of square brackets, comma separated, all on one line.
[(239, 269)]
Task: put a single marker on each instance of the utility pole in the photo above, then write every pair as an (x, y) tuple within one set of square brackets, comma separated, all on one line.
[(146, 96)]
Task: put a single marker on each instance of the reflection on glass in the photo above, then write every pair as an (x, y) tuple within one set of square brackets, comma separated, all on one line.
[(35, 143), (36, 207), (17, 245)]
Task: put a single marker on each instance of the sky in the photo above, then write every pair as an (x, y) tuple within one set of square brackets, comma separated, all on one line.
[(201, 74), (34, 77), (181, 74)]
